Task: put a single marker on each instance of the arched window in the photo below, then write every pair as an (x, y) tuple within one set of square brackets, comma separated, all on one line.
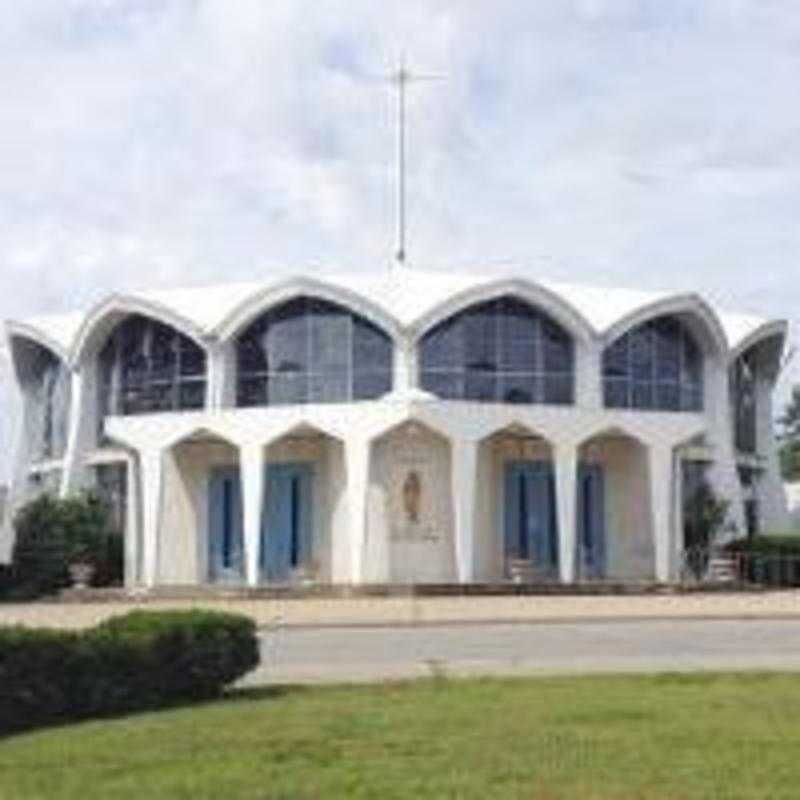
[(743, 387), (312, 351), (501, 351), (47, 397), (656, 365), (148, 367)]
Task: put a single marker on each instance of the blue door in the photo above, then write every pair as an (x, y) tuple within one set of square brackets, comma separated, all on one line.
[(591, 522), (287, 525), (225, 527), (531, 532)]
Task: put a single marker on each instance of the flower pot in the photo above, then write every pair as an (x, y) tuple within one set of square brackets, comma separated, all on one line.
[(81, 574)]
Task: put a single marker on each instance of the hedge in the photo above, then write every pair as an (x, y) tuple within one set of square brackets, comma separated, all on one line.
[(774, 544), (142, 660)]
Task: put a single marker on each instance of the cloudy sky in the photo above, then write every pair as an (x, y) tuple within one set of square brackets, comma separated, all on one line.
[(648, 144)]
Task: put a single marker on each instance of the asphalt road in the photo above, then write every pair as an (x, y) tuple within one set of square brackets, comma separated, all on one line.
[(301, 655)]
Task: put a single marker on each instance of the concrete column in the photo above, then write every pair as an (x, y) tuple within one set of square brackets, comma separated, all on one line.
[(18, 490), (252, 466), (76, 420), (589, 374), (678, 545), (464, 459), (221, 387), (152, 481), (132, 554), (357, 460), (722, 474), (660, 460), (773, 509), (566, 469), (405, 370)]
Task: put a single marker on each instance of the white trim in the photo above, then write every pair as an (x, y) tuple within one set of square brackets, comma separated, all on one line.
[(90, 335), (264, 299), (546, 300), (691, 304)]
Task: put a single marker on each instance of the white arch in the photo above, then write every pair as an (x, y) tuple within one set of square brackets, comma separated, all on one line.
[(767, 330), (692, 305), (602, 429), (101, 320), (207, 429), (513, 425), (298, 286), (544, 299), (24, 330)]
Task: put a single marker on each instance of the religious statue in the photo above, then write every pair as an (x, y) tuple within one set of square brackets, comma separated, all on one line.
[(412, 494)]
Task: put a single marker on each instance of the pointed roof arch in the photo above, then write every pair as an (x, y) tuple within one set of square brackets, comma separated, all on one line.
[(702, 319), (263, 299), (550, 302), (27, 330), (766, 330), (102, 319)]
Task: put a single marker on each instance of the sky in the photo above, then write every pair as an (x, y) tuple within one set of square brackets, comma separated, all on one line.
[(638, 143)]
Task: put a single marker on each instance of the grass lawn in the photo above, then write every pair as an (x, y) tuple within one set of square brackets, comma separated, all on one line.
[(712, 736)]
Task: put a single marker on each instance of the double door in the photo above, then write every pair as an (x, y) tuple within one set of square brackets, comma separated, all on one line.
[(286, 523), (531, 529), (531, 533)]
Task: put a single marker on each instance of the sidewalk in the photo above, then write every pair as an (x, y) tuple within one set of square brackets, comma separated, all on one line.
[(399, 611)]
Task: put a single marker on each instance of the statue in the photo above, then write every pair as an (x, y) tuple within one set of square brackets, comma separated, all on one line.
[(412, 493)]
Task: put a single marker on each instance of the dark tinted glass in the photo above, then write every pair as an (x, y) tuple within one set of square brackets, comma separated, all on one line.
[(657, 365), (503, 351), (143, 366), (312, 351)]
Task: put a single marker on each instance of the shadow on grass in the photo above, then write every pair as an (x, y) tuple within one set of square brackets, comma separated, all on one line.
[(438, 681), (227, 696)]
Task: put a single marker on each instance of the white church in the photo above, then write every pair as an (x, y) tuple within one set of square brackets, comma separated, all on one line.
[(400, 427)]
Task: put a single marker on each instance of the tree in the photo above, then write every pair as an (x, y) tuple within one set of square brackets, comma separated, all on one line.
[(789, 437), (704, 517), (52, 533)]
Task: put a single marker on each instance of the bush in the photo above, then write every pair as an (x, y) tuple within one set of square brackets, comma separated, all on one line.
[(139, 661), (51, 533), (6, 580), (775, 544)]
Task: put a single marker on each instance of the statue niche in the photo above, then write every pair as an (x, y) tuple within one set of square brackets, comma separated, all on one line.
[(412, 495)]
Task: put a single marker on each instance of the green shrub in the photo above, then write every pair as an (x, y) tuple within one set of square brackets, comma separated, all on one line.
[(6, 580), (51, 533), (142, 660), (774, 544), (40, 551)]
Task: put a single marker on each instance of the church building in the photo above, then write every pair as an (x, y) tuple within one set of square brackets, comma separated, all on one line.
[(400, 427)]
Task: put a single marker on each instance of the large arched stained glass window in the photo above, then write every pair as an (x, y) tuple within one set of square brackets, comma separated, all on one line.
[(148, 367), (312, 351), (47, 398), (656, 365), (500, 351)]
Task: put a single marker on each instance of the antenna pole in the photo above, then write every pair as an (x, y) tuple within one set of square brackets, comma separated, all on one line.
[(402, 78)]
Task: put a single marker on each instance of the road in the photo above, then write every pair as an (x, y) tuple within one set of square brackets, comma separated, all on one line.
[(334, 654)]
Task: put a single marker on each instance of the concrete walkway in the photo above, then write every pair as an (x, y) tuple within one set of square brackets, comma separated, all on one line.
[(410, 611), (339, 655)]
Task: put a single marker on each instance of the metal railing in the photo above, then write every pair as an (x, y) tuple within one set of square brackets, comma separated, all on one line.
[(769, 569), (714, 565)]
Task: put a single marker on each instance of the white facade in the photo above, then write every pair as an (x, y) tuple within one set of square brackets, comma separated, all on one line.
[(369, 520)]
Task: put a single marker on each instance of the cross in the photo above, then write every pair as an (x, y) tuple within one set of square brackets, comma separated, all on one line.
[(401, 78)]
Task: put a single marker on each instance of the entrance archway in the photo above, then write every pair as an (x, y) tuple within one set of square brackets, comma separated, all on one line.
[(614, 538), (410, 529), (517, 518)]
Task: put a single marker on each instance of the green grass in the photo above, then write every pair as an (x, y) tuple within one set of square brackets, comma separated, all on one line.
[(676, 737)]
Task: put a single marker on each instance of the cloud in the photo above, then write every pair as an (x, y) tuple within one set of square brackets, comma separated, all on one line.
[(163, 142)]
